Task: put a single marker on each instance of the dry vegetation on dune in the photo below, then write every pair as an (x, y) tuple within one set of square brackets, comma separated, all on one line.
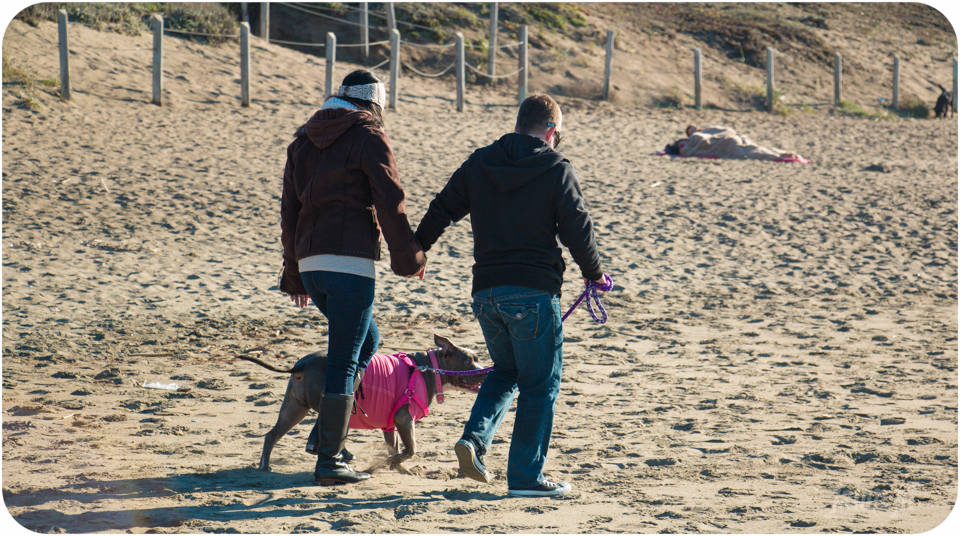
[(654, 42)]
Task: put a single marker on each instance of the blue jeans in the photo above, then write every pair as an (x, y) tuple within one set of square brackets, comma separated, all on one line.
[(524, 336), (347, 302)]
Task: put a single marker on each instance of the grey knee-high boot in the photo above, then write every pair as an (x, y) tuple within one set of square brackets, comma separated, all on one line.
[(331, 469)]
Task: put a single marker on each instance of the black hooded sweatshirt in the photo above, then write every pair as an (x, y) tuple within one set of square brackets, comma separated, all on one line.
[(521, 196)]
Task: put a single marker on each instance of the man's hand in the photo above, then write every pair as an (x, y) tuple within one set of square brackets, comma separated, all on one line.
[(300, 300), (420, 273), (600, 282)]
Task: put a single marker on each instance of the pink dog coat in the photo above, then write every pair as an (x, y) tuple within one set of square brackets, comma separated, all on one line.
[(388, 383)]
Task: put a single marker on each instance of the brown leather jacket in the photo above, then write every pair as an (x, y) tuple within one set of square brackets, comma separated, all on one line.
[(341, 189)]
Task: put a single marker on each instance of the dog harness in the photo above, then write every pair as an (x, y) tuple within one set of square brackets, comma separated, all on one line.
[(387, 386)]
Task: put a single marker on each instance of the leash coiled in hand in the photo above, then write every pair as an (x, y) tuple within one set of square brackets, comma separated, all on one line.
[(592, 294)]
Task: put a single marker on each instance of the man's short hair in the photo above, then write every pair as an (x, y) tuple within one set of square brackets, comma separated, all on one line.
[(535, 112)]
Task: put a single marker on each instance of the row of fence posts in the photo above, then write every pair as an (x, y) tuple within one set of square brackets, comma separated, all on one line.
[(837, 80), (331, 48), (523, 74)]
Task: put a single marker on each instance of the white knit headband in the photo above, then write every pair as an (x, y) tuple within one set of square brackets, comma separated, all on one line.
[(375, 92)]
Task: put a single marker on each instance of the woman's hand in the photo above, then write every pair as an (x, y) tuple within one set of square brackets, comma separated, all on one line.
[(420, 273), (300, 300)]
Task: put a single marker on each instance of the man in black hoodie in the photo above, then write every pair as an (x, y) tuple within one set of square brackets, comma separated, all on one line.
[(522, 195)]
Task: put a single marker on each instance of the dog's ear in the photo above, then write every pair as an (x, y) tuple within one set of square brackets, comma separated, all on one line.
[(443, 343)]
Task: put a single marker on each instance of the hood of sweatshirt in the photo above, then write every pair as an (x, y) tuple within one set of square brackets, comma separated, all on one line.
[(326, 126), (516, 159)]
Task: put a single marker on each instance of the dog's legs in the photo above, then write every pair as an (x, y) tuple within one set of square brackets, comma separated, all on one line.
[(291, 413), (406, 428), (392, 440)]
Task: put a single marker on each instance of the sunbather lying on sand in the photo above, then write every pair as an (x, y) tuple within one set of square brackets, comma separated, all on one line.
[(724, 142)]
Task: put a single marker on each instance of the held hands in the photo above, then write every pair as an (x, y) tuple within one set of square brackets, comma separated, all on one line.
[(300, 300), (420, 273)]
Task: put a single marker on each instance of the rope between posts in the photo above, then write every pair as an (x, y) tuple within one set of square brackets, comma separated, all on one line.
[(381, 64), (426, 45), (408, 66), (315, 14), (101, 49), (361, 44), (469, 45), (481, 73), (299, 44), (374, 13), (233, 36)]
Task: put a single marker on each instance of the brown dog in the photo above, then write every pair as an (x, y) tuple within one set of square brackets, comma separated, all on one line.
[(305, 389)]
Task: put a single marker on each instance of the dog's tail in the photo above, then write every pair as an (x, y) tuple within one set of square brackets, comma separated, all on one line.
[(264, 365)]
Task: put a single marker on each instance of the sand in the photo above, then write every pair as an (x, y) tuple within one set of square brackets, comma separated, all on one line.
[(781, 354)]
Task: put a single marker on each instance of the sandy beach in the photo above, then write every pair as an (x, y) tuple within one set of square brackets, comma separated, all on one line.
[(781, 353)]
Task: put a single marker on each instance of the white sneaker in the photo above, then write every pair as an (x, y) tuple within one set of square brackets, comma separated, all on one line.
[(471, 464), (545, 489)]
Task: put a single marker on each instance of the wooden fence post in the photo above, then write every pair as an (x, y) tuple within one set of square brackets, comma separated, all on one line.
[(896, 82), (769, 79), (157, 59), (697, 76), (394, 66), (265, 21), (954, 83), (523, 75), (244, 12), (64, 55), (391, 17), (494, 16), (461, 75), (837, 79), (608, 70), (331, 61), (245, 64), (365, 29)]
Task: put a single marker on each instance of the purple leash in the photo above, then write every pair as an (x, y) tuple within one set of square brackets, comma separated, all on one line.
[(590, 294)]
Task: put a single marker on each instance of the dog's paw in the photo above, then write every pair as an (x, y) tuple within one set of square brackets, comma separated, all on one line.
[(397, 460)]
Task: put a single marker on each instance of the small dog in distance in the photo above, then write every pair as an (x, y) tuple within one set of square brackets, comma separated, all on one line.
[(944, 104)]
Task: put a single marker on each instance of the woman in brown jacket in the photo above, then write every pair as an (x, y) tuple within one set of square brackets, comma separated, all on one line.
[(341, 190)]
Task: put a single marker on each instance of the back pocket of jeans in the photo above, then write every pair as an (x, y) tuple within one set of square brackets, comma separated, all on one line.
[(521, 320)]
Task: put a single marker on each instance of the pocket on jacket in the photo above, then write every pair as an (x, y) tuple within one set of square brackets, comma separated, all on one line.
[(522, 320)]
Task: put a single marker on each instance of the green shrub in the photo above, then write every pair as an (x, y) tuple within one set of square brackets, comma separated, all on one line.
[(852, 109), (205, 18), (20, 74), (912, 107), (133, 17), (675, 99)]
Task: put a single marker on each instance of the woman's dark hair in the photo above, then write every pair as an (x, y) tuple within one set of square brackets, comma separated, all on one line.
[(371, 107), (362, 77)]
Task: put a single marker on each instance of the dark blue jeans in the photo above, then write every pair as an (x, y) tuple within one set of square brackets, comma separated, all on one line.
[(347, 302), (524, 336)]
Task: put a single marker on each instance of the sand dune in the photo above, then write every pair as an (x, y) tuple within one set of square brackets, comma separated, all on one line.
[(781, 354)]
